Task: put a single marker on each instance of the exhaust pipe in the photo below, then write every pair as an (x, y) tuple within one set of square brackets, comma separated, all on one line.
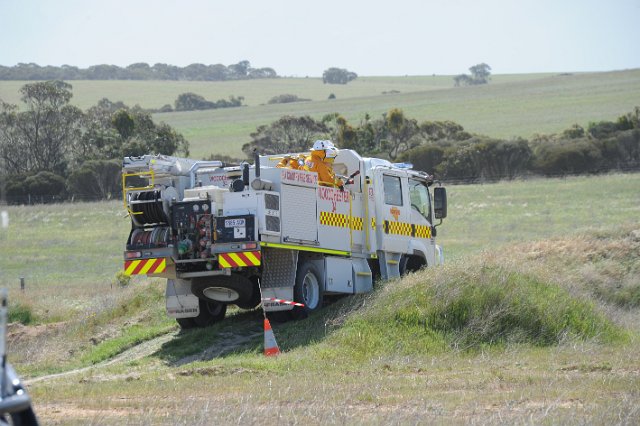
[(259, 184), (256, 157)]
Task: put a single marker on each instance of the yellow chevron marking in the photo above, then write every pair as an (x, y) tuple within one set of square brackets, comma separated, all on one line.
[(254, 260), (132, 267), (237, 259)]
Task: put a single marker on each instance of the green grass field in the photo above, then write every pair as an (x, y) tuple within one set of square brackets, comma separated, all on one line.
[(534, 319), (510, 106)]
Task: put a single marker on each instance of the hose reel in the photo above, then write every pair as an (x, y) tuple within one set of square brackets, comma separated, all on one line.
[(151, 207)]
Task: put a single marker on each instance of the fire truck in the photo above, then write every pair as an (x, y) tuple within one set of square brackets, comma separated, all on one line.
[(251, 234)]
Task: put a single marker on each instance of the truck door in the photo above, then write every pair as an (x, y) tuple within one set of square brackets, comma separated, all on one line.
[(393, 212), (420, 209)]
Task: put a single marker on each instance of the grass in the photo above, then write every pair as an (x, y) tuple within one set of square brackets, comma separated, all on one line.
[(129, 337), (21, 313), (532, 319), (552, 103), (490, 216)]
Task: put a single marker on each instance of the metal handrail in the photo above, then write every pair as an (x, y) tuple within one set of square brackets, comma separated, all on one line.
[(126, 190)]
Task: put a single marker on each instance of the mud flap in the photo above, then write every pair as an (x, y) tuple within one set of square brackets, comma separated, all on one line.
[(181, 303), (278, 277), (389, 264)]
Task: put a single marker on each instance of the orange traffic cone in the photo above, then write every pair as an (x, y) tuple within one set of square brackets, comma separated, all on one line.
[(270, 344)]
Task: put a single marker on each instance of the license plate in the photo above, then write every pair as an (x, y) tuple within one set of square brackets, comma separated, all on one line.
[(233, 223)]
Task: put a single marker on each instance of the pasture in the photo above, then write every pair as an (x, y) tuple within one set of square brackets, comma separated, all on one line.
[(510, 106), (551, 265)]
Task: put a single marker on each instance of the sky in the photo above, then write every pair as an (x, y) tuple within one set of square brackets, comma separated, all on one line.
[(303, 38)]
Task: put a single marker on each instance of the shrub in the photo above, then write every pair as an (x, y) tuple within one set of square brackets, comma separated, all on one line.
[(96, 179), (285, 99), (568, 157), (122, 279), (425, 157), (21, 312)]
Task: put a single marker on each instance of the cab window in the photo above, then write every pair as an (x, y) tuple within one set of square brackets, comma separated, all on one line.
[(392, 190), (420, 200)]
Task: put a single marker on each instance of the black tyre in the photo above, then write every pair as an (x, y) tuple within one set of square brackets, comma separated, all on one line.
[(411, 264), (232, 289), (404, 260), (185, 323), (210, 313), (254, 300), (308, 290), (24, 418)]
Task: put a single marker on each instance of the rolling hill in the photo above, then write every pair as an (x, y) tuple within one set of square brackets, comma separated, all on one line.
[(510, 106)]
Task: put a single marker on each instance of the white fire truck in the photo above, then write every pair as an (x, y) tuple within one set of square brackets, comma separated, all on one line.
[(250, 234)]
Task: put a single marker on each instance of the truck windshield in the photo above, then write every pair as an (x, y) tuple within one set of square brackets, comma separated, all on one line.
[(420, 199)]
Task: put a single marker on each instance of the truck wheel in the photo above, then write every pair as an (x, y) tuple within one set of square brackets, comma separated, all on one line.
[(307, 290), (25, 417), (210, 313), (411, 264), (185, 323), (254, 300), (404, 260)]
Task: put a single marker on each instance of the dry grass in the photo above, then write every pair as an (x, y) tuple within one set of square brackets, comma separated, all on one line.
[(321, 379), (575, 381)]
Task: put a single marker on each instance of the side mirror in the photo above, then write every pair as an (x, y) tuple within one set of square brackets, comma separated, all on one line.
[(440, 202)]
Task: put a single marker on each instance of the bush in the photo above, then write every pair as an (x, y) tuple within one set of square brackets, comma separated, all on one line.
[(193, 102), (338, 76), (96, 179), (122, 279), (424, 157), (21, 312), (485, 158), (285, 99), (41, 187), (603, 129), (568, 157)]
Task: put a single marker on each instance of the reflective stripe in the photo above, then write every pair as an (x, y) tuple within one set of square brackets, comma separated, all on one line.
[(145, 266), (305, 248), (239, 259)]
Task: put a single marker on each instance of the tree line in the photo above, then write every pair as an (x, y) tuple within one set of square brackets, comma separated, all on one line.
[(138, 71), (446, 149), (52, 148)]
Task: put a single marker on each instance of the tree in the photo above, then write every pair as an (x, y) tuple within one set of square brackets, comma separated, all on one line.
[(191, 102), (338, 76), (96, 179), (114, 130), (286, 98), (240, 70), (480, 74), (462, 80), (288, 134), (123, 122), (42, 137), (401, 131)]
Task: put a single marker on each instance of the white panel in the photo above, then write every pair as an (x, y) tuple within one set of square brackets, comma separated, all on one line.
[(180, 302), (339, 278), (285, 293), (299, 217), (335, 206)]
